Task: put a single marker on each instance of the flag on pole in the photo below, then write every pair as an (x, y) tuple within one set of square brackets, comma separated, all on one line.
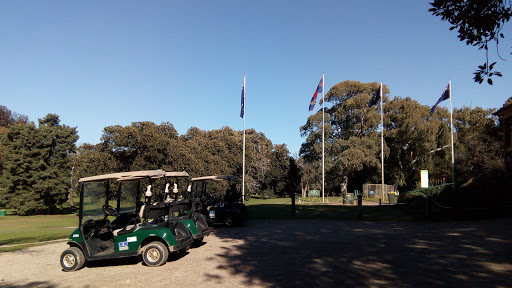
[(375, 98), (444, 96), (319, 89), (242, 110)]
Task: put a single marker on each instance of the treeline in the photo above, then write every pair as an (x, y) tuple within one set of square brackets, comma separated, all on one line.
[(41, 164), (148, 146), (414, 140)]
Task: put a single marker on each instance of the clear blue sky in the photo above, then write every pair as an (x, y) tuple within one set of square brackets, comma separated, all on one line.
[(102, 63)]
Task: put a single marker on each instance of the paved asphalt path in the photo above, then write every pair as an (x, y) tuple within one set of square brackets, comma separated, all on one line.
[(303, 253)]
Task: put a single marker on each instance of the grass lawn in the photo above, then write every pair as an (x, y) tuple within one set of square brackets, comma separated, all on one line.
[(280, 208), (28, 229)]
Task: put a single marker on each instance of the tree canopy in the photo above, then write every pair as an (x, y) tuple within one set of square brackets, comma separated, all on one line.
[(146, 145), (479, 23), (413, 140)]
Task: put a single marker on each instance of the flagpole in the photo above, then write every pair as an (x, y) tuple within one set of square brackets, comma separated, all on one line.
[(451, 128), (323, 137), (243, 165), (382, 141)]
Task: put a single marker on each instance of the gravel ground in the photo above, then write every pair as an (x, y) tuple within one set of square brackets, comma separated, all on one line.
[(304, 253)]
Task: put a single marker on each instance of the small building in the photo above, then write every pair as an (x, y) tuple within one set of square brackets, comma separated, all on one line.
[(505, 114)]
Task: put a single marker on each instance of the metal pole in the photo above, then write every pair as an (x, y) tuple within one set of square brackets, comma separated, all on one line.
[(382, 141), (323, 138), (243, 165), (451, 130)]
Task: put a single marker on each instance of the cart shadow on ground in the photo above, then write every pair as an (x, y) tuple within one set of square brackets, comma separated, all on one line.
[(127, 261), (34, 284), (300, 253)]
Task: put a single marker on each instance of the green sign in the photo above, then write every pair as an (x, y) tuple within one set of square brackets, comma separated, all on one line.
[(314, 193)]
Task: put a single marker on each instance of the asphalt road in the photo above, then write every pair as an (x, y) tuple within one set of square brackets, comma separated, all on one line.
[(303, 253)]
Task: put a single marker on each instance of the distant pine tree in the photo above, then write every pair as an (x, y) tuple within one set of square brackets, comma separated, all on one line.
[(37, 171)]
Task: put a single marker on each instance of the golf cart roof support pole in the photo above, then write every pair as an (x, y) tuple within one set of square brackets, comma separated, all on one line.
[(243, 162), (119, 195), (137, 196), (107, 191), (81, 206)]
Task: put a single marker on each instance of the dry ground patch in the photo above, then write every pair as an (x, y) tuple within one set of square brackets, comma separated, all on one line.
[(299, 253)]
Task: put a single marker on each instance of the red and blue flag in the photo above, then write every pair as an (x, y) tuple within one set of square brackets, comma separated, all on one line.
[(319, 89)]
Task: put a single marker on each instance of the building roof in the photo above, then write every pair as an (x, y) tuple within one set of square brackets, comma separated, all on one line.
[(505, 111)]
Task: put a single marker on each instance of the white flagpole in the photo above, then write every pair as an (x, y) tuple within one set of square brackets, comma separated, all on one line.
[(382, 141), (323, 137), (451, 128), (243, 165)]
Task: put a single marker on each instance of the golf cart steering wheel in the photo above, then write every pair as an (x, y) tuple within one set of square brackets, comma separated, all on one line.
[(109, 210), (89, 223)]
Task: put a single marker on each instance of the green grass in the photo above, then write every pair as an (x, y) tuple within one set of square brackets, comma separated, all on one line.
[(29, 229), (281, 209)]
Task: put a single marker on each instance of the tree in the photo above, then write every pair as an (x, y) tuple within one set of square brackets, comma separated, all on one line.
[(352, 145), (479, 23), (412, 138), (140, 146), (7, 119), (479, 149), (37, 171), (55, 143), (89, 160), (277, 175), (21, 161)]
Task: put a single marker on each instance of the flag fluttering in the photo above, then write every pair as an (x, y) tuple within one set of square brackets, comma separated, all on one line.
[(242, 109), (319, 89), (376, 97), (444, 96)]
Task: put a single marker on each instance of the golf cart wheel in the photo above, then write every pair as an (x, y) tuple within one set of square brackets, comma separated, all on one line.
[(72, 259), (197, 242), (229, 221), (155, 254)]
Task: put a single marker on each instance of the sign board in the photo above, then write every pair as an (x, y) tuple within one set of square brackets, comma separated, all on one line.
[(424, 178), (314, 193)]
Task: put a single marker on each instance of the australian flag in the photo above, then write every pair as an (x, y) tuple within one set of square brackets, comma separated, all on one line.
[(444, 96), (242, 109), (375, 98), (319, 89)]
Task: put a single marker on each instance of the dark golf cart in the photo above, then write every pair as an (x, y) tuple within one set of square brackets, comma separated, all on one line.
[(226, 208), (115, 223), (182, 207)]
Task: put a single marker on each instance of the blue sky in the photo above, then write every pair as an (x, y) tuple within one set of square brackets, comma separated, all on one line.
[(102, 63)]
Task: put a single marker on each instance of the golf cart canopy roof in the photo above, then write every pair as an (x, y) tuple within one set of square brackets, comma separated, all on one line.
[(176, 174), (124, 176), (216, 178)]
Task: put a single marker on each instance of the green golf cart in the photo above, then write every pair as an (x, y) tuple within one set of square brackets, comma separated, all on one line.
[(180, 206), (115, 223), (226, 207)]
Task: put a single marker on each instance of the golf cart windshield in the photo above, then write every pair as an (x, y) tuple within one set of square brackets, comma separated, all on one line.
[(96, 195)]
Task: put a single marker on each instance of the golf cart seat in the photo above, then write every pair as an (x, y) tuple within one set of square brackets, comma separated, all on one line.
[(154, 212), (127, 229), (125, 223)]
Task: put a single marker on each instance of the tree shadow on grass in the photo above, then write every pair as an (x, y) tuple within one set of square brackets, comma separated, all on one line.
[(329, 212), (317, 253)]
